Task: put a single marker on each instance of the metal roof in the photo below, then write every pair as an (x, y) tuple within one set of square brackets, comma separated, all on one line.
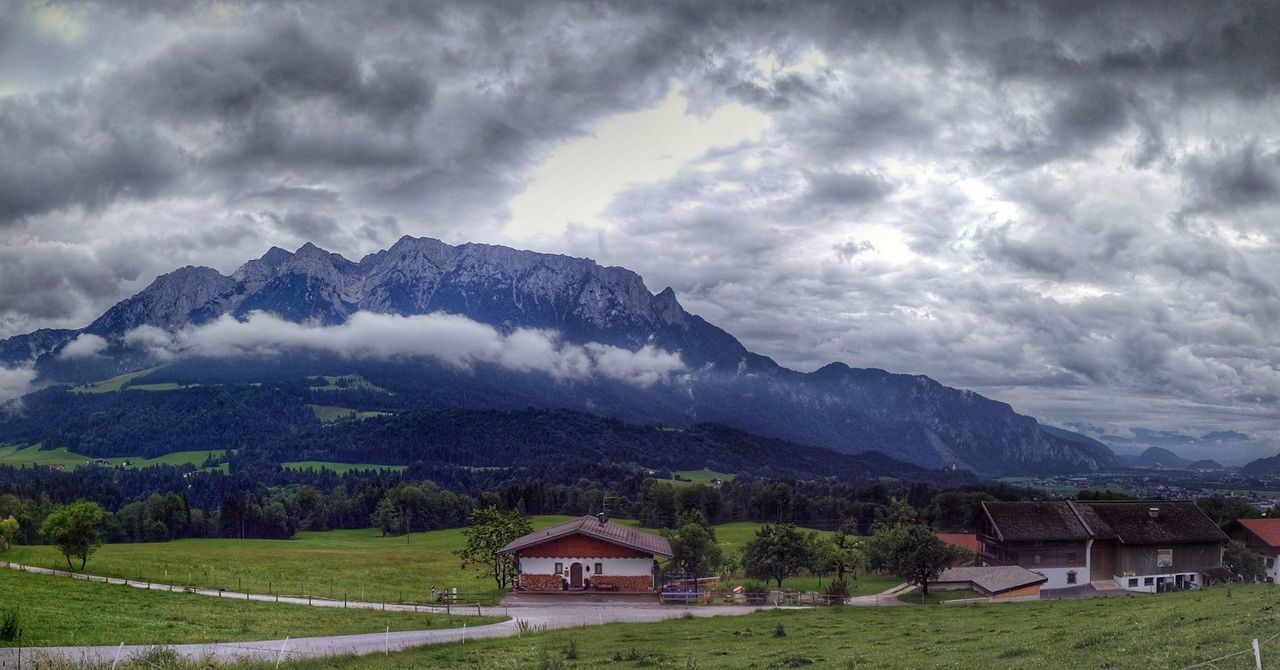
[(590, 526)]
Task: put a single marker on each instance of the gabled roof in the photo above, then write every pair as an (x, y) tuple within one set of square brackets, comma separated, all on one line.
[(1150, 521), (1128, 521), (1037, 520), (590, 526), (993, 578), (1266, 530)]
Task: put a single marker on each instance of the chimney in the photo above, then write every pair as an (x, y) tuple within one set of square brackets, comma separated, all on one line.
[(602, 518), (1153, 512)]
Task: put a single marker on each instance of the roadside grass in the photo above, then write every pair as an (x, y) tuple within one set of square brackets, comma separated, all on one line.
[(360, 564), (35, 456), (339, 468), (935, 597), (1171, 630), (57, 611)]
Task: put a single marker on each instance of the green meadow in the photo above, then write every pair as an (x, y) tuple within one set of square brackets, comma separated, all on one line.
[(360, 564), (339, 468), (35, 456), (60, 611), (1172, 630)]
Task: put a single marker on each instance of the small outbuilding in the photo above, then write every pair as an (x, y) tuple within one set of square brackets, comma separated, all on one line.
[(998, 582), (588, 553)]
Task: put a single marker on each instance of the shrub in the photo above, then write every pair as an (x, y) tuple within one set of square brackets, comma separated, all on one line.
[(571, 652), (755, 589), (779, 630), (837, 588), (9, 625)]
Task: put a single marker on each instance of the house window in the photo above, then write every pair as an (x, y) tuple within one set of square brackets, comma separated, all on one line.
[(1071, 576), (1035, 559), (1271, 563), (559, 568), (1191, 578), (1164, 558), (1133, 581), (599, 568), (1147, 581)]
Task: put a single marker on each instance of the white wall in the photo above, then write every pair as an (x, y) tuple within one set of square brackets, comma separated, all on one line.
[(1058, 576), (1143, 587), (615, 567), (1274, 571)]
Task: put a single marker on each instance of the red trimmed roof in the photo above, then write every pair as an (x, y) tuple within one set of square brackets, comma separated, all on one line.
[(967, 541), (591, 526), (1267, 530)]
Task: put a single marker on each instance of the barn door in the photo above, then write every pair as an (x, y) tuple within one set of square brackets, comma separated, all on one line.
[(575, 575)]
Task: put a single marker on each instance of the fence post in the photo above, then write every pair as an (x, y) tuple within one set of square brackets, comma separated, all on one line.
[(344, 600), (1257, 654)]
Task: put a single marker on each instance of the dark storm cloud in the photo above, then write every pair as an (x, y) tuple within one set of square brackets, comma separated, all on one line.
[(1069, 205)]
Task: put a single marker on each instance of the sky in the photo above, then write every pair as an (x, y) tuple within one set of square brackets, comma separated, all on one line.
[(1068, 206)]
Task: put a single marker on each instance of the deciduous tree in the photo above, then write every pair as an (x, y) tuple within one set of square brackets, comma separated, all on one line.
[(1243, 562), (777, 552), (911, 551), (73, 529), (488, 531), (8, 529), (693, 543)]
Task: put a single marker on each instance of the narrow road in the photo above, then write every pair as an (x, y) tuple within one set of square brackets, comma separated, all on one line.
[(538, 612)]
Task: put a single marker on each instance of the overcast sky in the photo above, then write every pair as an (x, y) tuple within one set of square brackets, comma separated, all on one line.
[(1071, 207)]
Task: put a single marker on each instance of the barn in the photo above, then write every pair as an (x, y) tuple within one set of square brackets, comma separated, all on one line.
[(588, 553)]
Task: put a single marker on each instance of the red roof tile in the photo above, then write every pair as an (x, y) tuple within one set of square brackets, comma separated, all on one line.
[(968, 541), (1267, 530), (590, 526)]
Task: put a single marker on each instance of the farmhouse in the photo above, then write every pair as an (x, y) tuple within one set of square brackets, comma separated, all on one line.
[(588, 553), (1262, 536), (1135, 545)]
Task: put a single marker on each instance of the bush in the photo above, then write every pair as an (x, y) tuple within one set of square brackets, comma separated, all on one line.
[(571, 652), (755, 589), (9, 625), (779, 630), (837, 588)]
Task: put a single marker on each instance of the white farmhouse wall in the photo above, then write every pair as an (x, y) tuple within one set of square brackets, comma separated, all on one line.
[(1273, 572), (1189, 580), (1058, 576), (616, 567)]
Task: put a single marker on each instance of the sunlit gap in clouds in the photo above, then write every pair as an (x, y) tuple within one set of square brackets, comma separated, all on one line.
[(578, 181)]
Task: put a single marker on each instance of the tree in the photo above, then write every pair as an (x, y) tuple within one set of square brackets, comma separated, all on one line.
[(8, 529), (693, 545), (73, 529), (777, 552), (1243, 563), (911, 551), (488, 531), (844, 554)]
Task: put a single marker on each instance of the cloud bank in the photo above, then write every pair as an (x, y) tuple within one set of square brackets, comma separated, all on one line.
[(453, 340), (16, 382)]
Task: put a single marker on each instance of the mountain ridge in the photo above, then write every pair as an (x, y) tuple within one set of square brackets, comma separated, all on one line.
[(910, 417)]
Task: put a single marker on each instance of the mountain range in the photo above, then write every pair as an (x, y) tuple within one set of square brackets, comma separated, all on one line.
[(473, 326)]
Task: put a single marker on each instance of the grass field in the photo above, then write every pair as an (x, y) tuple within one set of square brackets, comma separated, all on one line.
[(1172, 630), (113, 384), (690, 477), (347, 383), (359, 563), (339, 468), (34, 456), (334, 414), (60, 611)]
